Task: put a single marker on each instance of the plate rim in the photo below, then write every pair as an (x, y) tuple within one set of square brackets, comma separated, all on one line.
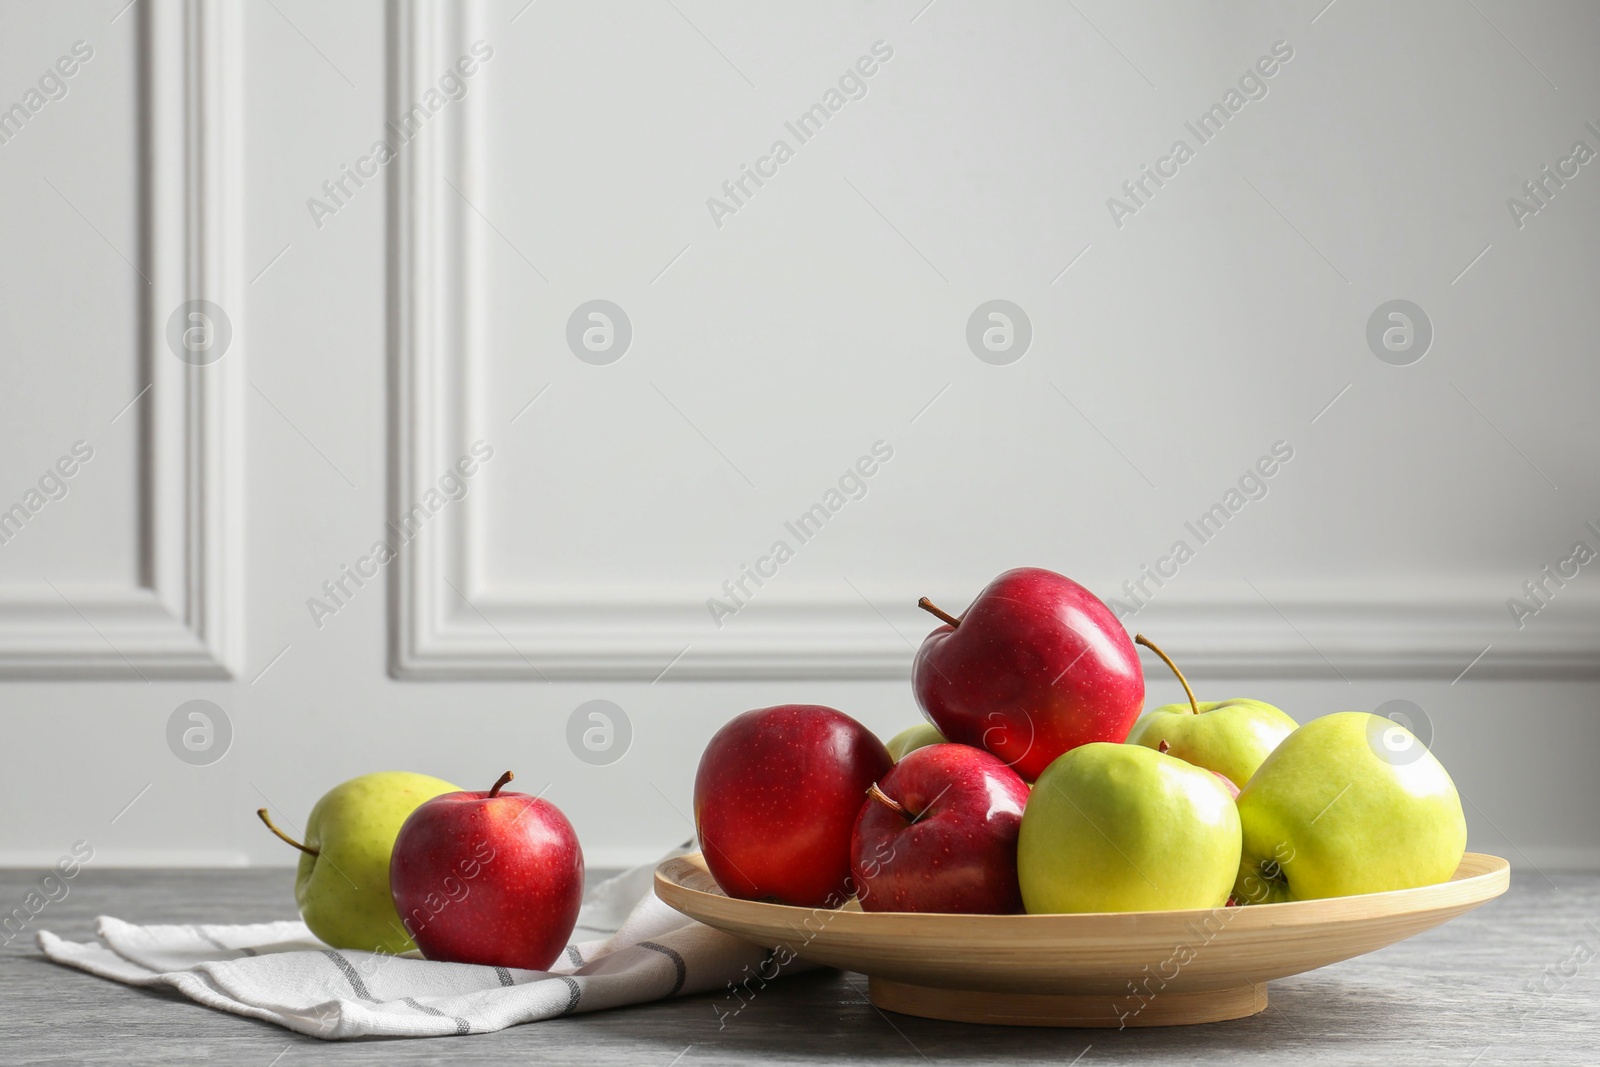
[(1491, 878)]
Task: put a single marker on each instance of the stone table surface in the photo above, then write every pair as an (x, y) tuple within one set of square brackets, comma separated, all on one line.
[(1517, 981)]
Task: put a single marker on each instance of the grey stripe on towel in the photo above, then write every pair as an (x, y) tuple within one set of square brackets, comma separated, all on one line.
[(574, 993), (350, 974), (677, 961), (462, 1026)]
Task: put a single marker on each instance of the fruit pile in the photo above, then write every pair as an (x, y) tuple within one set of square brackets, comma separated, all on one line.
[(398, 861), (1194, 805), (1034, 786)]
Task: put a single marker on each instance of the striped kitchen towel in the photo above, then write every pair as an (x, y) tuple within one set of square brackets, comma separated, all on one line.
[(629, 948)]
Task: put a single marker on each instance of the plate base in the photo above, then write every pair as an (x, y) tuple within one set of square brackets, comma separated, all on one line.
[(1035, 1009)]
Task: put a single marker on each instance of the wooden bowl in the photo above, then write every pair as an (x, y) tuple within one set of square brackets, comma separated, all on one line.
[(1150, 968)]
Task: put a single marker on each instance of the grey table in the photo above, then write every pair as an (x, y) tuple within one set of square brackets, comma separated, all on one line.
[(1468, 993)]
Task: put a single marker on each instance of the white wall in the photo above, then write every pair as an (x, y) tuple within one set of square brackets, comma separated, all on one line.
[(768, 354)]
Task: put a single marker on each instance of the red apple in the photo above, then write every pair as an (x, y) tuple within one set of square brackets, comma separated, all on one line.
[(939, 833), (489, 878), (775, 800), (1036, 666)]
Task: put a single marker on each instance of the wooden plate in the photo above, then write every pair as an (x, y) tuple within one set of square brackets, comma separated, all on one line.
[(1151, 968)]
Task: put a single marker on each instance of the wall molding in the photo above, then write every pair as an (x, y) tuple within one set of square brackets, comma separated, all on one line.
[(430, 247), (183, 619), (1435, 638), (448, 620)]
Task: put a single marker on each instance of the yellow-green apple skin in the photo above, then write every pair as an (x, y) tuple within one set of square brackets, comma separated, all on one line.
[(1117, 827), (1334, 811), (1231, 737), (343, 893), (912, 738)]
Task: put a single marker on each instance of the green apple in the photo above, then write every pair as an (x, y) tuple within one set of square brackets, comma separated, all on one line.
[(912, 738), (1230, 737), (343, 883), (1349, 803), (1113, 827)]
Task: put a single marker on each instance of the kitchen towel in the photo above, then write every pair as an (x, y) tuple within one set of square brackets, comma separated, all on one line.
[(633, 949)]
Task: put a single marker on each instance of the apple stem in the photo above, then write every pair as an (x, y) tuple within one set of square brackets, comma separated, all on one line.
[(1141, 639), (499, 784), (887, 801), (927, 605), (307, 849)]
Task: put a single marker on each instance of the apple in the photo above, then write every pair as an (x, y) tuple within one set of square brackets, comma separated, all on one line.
[(1227, 783), (1112, 827), (1037, 666), (776, 798), (1230, 737), (489, 878), (939, 833), (342, 886), (912, 738), (1348, 803)]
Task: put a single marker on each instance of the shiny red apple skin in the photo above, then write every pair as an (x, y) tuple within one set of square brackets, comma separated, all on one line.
[(959, 853), (776, 798), (1038, 666), (491, 880)]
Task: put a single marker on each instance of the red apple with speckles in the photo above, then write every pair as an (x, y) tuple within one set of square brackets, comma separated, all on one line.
[(776, 798), (488, 878), (1037, 666), (939, 833)]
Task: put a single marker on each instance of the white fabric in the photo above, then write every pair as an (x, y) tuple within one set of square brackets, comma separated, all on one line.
[(628, 948)]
